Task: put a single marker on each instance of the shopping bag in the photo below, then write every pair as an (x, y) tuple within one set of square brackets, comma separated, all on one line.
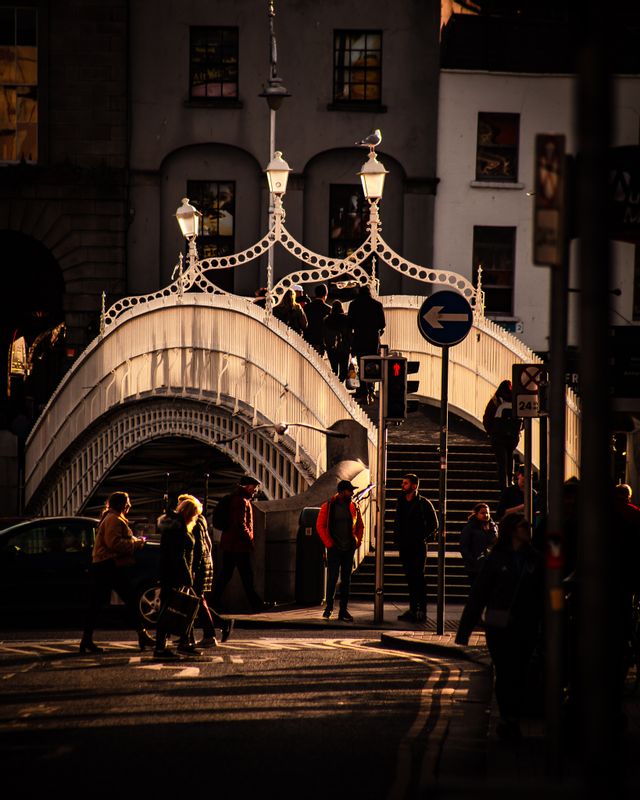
[(179, 612)]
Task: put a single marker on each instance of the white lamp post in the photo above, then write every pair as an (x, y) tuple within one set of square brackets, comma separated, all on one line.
[(189, 218), (277, 176), (372, 176)]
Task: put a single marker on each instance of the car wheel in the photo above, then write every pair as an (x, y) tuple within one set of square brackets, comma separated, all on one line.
[(149, 605)]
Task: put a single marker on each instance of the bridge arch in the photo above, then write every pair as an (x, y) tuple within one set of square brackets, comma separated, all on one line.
[(196, 367)]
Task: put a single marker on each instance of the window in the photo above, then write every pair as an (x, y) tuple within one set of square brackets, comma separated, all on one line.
[(213, 64), (348, 215), (18, 84), (216, 201), (494, 251), (357, 67), (497, 147)]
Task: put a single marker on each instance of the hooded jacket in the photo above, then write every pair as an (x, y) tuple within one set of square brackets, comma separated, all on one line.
[(323, 523)]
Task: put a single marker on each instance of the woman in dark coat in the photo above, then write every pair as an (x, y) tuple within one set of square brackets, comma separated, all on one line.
[(203, 583), (509, 590), (476, 538), (177, 544), (336, 330)]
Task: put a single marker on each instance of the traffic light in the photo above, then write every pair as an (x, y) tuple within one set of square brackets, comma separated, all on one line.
[(395, 389), (371, 368)]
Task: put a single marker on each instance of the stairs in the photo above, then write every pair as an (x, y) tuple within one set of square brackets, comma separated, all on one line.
[(471, 478)]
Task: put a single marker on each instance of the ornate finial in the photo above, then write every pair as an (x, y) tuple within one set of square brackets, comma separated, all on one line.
[(479, 298), (103, 314)]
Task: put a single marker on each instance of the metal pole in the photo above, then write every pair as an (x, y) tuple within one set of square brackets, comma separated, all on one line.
[(381, 479), (442, 494), (554, 545), (598, 664), (528, 505), (543, 492)]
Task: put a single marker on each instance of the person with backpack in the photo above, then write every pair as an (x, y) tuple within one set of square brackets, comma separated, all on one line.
[(415, 524), (504, 431), (234, 517)]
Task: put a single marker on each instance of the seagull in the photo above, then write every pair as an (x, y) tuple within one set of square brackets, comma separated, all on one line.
[(372, 140)]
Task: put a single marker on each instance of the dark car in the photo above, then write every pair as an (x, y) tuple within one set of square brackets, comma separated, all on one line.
[(44, 570)]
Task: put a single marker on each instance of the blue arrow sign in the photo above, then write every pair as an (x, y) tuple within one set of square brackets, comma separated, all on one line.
[(445, 318)]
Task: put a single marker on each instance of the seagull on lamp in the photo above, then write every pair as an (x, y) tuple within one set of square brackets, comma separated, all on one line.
[(372, 140)]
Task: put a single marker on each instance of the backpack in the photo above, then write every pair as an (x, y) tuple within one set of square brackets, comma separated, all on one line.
[(220, 518)]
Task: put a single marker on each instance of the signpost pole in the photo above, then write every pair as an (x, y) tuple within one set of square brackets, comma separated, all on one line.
[(381, 478), (528, 505), (442, 494)]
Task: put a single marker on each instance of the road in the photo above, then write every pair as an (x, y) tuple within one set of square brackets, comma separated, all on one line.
[(284, 714)]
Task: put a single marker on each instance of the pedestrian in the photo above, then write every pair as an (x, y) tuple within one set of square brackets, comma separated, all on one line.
[(509, 590), (414, 525), (367, 319), (504, 431), (476, 539), (336, 330), (512, 498), (113, 556), (237, 543), (316, 312), (340, 527), (260, 297), (203, 582), (302, 298), (177, 543), (291, 312)]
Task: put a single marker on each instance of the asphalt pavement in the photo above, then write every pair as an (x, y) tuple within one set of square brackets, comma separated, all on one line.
[(473, 761)]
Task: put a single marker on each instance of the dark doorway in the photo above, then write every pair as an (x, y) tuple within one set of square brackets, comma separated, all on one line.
[(31, 307)]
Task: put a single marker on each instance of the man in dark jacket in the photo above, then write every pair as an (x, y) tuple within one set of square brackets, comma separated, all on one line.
[(367, 319), (316, 311), (416, 522), (237, 545)]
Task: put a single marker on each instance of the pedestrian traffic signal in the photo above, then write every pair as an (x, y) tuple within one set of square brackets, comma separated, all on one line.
[(395, 389), (370, 368)]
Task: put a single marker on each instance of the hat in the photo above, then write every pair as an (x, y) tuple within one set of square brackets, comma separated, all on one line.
[(346, 485), (247, 480), (297, 288)]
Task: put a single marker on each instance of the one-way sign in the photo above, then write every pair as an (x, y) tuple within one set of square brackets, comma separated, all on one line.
[(445, 318)]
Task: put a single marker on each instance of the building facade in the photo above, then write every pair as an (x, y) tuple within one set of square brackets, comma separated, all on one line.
[(199, 127)]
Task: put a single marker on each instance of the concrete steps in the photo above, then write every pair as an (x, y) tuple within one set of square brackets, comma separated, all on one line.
[(471, 478)]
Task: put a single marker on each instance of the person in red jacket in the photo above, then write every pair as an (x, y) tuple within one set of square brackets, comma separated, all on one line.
[(340, 527)]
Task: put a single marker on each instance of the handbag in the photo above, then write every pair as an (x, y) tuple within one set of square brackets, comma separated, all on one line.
[(178, 614)]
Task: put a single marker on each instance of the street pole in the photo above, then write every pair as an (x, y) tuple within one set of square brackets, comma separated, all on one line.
[(442, 494), (381, 479), (205, 499), (528, 505), (598, 657)]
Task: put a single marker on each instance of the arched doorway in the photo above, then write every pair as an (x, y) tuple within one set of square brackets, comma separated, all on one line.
[(32, 313)]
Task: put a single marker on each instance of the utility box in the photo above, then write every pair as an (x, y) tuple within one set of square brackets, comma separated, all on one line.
[(310, 568)]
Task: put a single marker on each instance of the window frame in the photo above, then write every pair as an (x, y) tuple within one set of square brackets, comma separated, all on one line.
[(220, 99), (497, 150), (36, 85), (491, 288), (342, 79), (360, 218)]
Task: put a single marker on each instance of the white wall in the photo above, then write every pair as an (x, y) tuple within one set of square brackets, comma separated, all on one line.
[(545, 104)]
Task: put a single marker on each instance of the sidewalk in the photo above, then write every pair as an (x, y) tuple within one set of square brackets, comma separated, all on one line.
[(472, 761)]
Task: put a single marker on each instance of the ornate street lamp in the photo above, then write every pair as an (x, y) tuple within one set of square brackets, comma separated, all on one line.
[(189, 218), (278, 174), (372, 176)]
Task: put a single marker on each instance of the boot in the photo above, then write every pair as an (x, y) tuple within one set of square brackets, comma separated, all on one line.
[(145, 639)]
